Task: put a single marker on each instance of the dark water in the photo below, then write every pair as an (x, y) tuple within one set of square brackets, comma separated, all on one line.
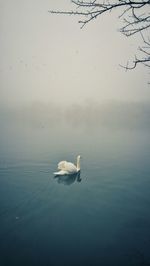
[(103, 218)]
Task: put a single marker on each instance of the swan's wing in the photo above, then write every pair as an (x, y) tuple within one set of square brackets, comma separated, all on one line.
[(61, 165), (67, 166), (70, 167)]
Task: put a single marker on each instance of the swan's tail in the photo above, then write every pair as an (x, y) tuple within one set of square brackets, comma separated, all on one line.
[(62, 172)]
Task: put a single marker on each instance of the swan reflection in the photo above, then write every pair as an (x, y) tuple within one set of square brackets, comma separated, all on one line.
[(68, 179)]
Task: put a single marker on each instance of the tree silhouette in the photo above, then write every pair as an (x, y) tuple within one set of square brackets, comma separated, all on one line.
[(135, 15)]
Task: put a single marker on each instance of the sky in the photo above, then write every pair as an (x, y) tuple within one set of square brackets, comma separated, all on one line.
[(48, 58)]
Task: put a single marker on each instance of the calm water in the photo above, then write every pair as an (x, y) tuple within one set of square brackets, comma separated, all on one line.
[(102, 220)]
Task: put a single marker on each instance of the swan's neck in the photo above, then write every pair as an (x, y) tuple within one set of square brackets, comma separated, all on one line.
[(78, 163)]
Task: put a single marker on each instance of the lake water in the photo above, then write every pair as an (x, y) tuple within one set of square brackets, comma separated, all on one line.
[(103, 218)]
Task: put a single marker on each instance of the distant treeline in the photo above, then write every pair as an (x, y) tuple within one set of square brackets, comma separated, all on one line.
[(114, 115)]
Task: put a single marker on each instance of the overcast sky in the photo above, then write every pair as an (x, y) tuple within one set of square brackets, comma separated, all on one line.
[(48, 58)]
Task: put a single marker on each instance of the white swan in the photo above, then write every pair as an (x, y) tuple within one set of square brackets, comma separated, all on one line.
[(67, 168)]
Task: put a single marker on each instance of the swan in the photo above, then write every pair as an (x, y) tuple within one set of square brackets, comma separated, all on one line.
[(67, 168)]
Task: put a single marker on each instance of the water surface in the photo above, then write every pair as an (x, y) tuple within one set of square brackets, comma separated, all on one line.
[(101, 219)]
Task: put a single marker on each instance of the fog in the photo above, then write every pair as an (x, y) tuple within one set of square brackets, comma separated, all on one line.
[(48, 58), (38, 131), (60, 85), (91, 115)]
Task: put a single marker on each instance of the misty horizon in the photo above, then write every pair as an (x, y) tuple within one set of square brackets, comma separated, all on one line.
[(111, 114)]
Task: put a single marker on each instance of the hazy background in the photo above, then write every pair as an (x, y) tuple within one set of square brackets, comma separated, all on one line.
[(57, 80), (48, 58)]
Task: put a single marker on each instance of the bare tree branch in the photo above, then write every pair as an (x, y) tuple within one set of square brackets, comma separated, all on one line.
[(135, 14)]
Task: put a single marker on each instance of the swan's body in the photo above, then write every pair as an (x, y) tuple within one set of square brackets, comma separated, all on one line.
[(67, 168)]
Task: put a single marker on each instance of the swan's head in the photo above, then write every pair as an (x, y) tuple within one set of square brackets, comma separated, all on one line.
[(79, 157)]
